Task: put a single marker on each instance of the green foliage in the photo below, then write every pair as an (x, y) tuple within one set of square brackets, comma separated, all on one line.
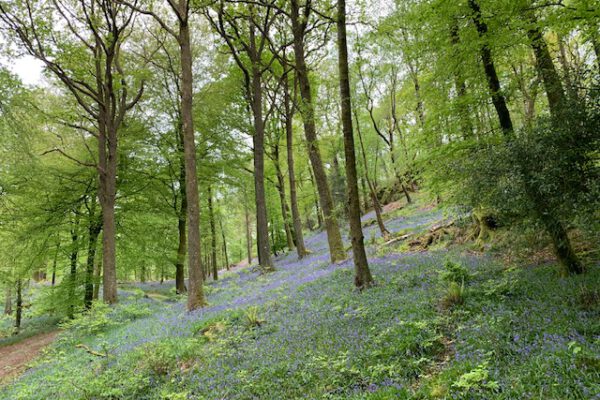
[(476, 380), (454, 272)]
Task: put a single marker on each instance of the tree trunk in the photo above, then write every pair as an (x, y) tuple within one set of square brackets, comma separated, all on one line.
[(54, 261), (490, 71), (73, 258), (375, 201), (262, 226), (316, 196), (336, 246), (19, 310), (289, 134), (97, 275), (546, 70), (213, 235), (195, 290), (8, 300), (225, 255), (248, 230), (362, 276), (182, 215), (107, 156), (282, 200), (94, 229)]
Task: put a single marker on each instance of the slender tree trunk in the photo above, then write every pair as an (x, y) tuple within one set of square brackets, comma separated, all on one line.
[(19, 309), (248, 231), (73, 258), (375, 201), (289, 134), (225, 255), (336, 246), (195, 290), (94, 229), (8, 300), (97, 276), (490, 71), (282, 200), (213, 235), (316, 196), (362, 273), (54, 261)]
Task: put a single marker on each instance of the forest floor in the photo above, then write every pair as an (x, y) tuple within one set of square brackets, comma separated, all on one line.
[(15, 357), (444, 320)]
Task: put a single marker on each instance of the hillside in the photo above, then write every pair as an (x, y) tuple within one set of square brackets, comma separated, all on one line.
[(443, 323)]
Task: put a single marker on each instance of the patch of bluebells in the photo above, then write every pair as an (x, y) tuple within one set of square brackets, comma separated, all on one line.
[(322, 338)]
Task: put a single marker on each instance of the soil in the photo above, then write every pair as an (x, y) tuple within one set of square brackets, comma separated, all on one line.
[(15, 357)]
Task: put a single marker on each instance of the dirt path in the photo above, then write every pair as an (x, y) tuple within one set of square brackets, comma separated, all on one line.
[(15, 357)]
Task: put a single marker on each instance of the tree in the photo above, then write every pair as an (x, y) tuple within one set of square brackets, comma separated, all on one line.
[(98, 29), (362, 274)]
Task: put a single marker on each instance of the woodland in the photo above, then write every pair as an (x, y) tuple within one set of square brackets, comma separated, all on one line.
[(300, 199)]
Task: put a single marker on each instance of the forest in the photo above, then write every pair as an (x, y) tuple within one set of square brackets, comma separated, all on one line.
[(299, 199)]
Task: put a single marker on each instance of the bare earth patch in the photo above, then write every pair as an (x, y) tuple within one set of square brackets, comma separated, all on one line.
[(15, 357)]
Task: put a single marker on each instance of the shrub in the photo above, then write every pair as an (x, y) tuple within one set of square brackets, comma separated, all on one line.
[(455, 272)]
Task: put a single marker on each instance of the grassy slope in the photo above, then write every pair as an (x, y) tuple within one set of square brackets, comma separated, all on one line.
[(303, 332)]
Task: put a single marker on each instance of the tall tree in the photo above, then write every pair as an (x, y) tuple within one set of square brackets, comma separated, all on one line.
[(299, 18), (362, 274), (99, 28)]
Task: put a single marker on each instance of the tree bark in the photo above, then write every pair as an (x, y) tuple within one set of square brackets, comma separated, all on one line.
[(19, 304), (262, 226), (196, 297), (182, 214), (213, 235), (336, 246), (362, 277)]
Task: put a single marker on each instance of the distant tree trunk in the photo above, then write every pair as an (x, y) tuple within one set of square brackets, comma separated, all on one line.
[(289, 133), (362, 276), (553, 226), (375, 201), (54, 261), (97, 275), (8, 300), (73, 259), (564, 61), (19, 311), (196, 297), (225, 255), (248, 230), (336, 246), (282, 198), (316, 196), (213, 235), (94, 229)]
